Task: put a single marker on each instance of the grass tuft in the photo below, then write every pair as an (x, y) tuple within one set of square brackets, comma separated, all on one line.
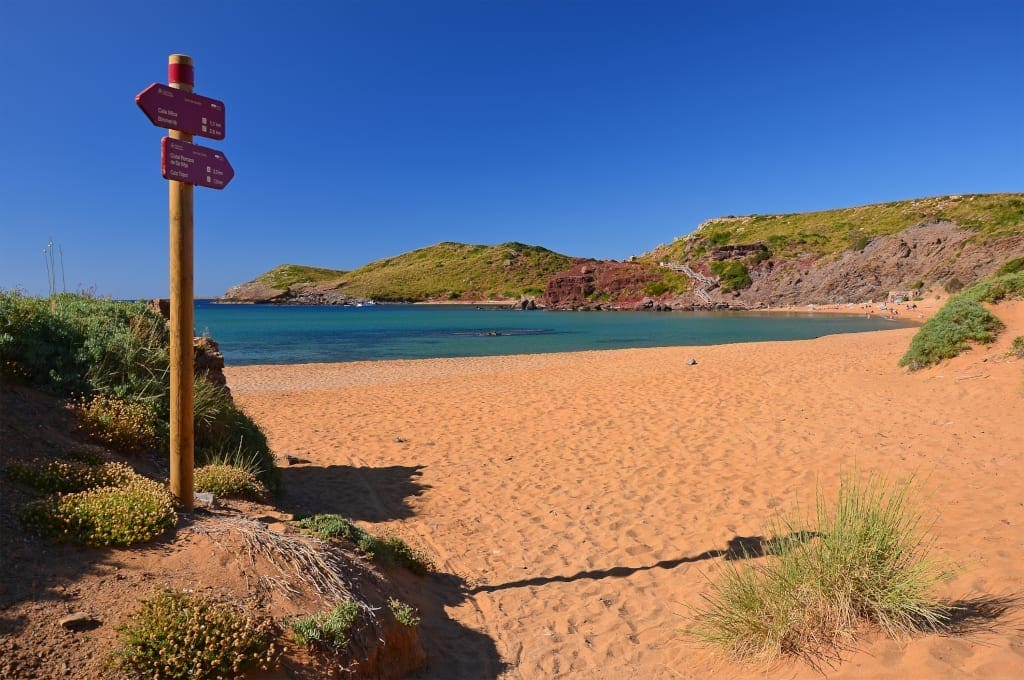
[(229, 481), (867, 562)]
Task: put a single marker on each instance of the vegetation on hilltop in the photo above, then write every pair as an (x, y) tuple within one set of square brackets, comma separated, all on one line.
[(444, 271), (285, 276), (457, 270), (830, 232)]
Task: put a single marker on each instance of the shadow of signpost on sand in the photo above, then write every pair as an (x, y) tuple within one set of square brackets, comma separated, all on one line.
[(738, 548), (358, 493)]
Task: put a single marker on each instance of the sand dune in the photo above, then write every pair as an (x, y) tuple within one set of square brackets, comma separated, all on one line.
[(578, 503)]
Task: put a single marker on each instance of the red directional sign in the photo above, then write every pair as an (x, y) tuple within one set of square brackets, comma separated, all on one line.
[(200, 165), (175, 109)]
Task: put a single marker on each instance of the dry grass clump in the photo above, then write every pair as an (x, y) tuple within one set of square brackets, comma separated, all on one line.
[(177, 635), (388, 549), (867, 562), (124, 425), (229, 481), (331, 629), (69, 476), (138, 510)]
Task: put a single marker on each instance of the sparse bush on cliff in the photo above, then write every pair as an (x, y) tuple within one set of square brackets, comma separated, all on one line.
[(732, 274), (331, 629), (868, 561), (405, 614), (1011, 266), (178, 636)]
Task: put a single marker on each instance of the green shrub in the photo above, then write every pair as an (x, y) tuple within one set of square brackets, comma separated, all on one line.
[(954, 285), (732, 274), (177, 635), (70, 476), (861, 243), (114, 356), (867, 562), (135, 512), (962, 320), (228, 481), (327, 628), (75, 345), (759, 257), (949, 332), (405, 614), (388, 549), (127, 426)]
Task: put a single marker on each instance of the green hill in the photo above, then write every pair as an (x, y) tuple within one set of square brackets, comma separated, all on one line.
[(457, 270), (445, 271), (829, 232)]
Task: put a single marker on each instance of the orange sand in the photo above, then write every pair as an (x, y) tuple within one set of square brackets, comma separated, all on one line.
[(577, 503)]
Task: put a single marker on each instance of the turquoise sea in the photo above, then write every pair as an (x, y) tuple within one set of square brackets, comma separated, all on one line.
[(268, 334)]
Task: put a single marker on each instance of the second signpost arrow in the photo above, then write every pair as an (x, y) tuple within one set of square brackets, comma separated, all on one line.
[(199, 165)]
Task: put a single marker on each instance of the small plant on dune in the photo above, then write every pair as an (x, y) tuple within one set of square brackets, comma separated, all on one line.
[(229, 481), (127, 426), (404, 613), (388, 549), (1017, 347), (69, 476), (867, 562), (177, 635), (331, 628), (134, 512)]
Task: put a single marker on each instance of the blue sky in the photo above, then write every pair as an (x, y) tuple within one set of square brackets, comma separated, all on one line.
[(363, 129)]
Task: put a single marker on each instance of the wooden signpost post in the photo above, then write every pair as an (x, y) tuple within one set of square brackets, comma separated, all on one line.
[(184, 164)]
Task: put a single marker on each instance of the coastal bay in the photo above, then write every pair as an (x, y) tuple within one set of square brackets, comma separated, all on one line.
[(577, 504)]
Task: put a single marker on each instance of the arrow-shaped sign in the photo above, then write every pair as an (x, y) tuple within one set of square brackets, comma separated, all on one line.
[(175, 109), (200, 165)]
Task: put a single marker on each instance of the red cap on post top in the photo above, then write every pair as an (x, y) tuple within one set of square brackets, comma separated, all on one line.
[(180, 70)]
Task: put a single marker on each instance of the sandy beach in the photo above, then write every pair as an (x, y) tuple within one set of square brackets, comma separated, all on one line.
[(577, 504)]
